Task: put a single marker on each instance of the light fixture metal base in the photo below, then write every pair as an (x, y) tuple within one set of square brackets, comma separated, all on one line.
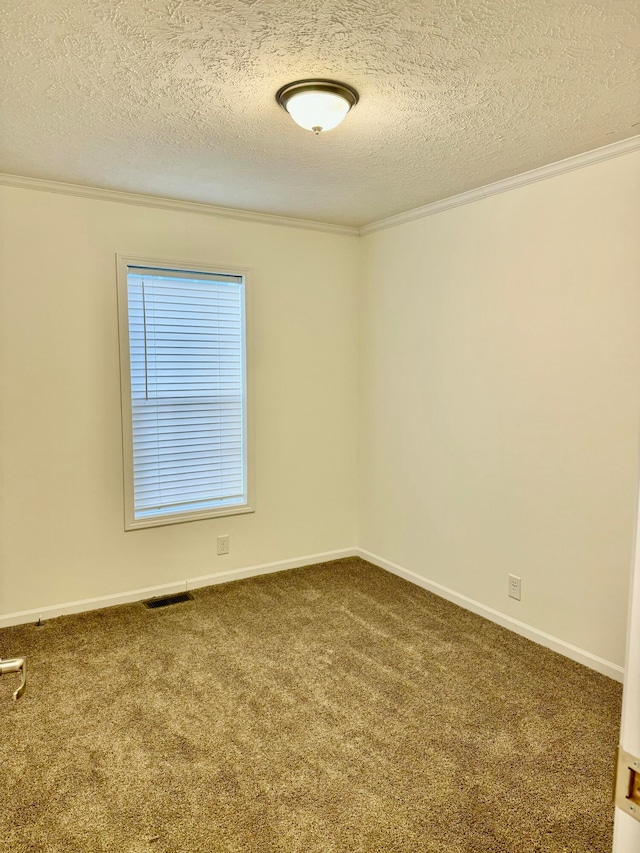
[(317, 84)]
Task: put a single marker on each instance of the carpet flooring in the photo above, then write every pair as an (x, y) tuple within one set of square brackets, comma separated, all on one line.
[(327, 709)]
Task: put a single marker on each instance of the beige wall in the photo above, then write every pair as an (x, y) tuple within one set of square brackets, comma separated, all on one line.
[(499, 399), (62, 534)]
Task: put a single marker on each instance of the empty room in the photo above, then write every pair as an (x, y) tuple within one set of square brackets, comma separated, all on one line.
[(320, 419)]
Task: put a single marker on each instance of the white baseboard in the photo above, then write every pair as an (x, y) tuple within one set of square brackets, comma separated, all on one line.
[(605, 667), (612, 670), (50, 612), (268, 568)]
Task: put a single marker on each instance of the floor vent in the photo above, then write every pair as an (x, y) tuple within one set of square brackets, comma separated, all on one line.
[(167, 600)]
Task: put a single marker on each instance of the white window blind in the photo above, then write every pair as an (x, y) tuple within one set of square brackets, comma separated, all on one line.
[(187, 362)]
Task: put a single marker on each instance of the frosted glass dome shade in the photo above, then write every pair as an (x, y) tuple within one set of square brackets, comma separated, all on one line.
[(317, 111), (317, 104)]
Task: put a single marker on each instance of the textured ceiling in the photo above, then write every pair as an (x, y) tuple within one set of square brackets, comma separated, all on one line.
[(176, 97)]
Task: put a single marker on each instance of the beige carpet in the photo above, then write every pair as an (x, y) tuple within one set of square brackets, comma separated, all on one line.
[(325, 709)]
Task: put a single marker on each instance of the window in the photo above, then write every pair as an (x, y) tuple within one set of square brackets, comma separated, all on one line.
[(183, 366)]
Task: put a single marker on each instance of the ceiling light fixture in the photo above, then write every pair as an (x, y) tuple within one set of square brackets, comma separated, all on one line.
[(317, 105)]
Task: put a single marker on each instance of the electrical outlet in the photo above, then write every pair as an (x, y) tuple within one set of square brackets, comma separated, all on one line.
[(515, 587), (223, 545)]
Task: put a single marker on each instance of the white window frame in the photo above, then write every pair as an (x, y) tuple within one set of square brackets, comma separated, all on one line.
[(123, 262)]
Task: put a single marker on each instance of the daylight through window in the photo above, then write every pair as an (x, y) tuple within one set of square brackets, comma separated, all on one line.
[(185, 410)]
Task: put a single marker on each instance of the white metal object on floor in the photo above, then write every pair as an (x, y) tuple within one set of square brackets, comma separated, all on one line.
[(10, 665)]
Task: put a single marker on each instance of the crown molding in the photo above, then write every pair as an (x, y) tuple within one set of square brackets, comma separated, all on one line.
[(607, 152), (598, 155), (162, 203)]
